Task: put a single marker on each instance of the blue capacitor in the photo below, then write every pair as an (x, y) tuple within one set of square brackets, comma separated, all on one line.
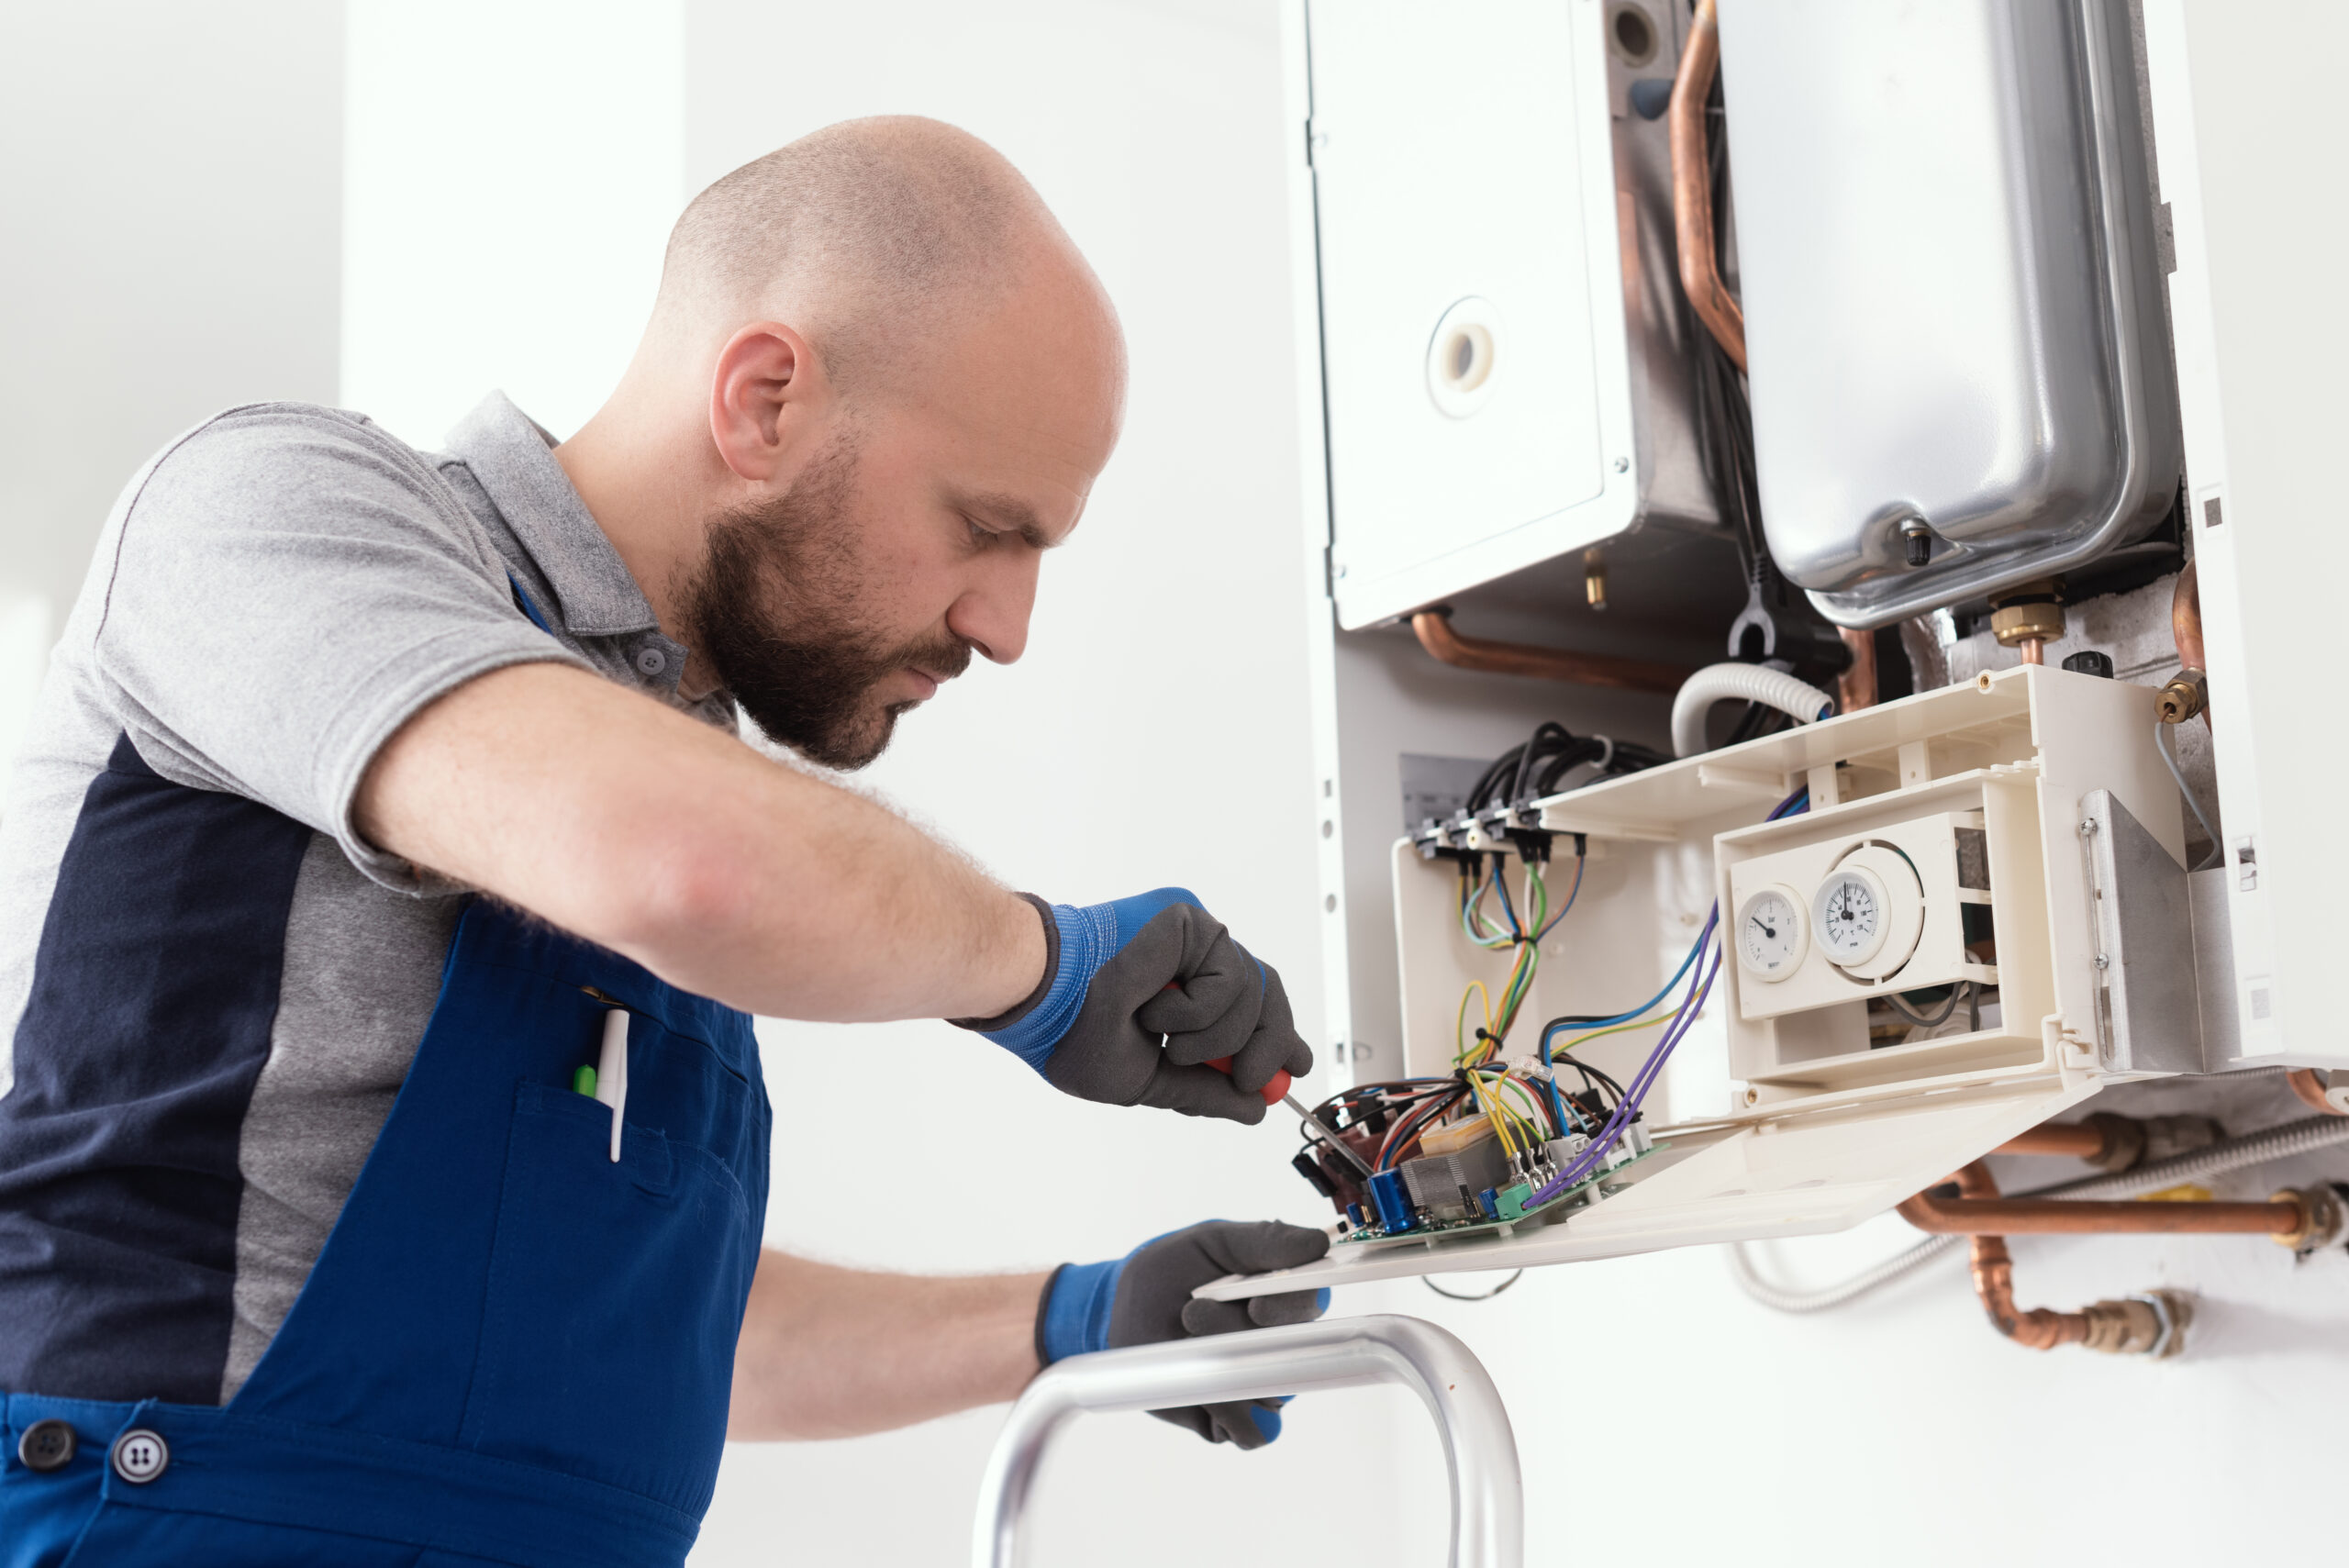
[(1393, 1203)]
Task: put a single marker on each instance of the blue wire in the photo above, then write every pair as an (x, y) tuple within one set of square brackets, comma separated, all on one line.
[(1569, 904), (1508, 908), (1797, 802)]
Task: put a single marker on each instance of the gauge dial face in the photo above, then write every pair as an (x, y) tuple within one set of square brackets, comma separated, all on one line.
[(1771, 937), (1849, 911)]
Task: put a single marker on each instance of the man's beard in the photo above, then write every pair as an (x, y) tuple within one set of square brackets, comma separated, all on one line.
[(774, 609)]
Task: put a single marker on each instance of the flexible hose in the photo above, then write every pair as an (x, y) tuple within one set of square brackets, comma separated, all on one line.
[(1740, 682), (2293, 1138), (1780, 1299), (2163, 744)]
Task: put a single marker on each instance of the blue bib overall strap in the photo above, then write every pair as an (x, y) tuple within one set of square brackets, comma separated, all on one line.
[(513, 1350)]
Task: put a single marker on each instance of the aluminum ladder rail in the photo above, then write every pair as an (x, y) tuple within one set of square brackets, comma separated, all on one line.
[(1479, 1449)]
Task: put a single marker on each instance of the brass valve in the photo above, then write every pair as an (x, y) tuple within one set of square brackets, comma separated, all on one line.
[(2188, 694)]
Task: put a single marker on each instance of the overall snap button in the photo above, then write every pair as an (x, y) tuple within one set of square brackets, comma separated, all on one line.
[(140, 1455), (47, 1445)]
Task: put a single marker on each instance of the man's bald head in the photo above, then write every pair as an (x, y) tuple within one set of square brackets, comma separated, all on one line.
[(876, 236), (879, 383)]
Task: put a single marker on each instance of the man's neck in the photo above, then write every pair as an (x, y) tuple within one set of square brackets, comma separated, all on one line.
[(643, 492)]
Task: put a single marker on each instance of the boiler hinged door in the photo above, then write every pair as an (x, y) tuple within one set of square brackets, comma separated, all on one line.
[(1476, 373)]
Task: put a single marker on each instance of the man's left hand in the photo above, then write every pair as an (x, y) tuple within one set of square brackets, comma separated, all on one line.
[(1145, 1298)]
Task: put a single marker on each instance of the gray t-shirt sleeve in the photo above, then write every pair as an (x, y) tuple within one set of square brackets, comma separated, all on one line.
[(288, 587)]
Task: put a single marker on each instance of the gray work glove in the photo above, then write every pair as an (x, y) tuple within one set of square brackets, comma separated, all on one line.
[(1118, 976), (1145, 1298)]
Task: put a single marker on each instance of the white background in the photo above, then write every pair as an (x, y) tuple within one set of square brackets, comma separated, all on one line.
[(200, 214)]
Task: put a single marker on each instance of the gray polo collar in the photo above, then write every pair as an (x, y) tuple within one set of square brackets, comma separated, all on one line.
[(514, 461)]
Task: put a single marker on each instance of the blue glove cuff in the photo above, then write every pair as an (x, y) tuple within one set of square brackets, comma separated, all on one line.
[(1086, 942), (1090, 937), (1075, 1319)]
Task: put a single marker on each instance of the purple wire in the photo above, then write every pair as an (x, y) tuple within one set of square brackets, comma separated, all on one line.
[(1700, 986)]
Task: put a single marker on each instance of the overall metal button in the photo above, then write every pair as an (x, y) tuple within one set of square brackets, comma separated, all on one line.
[(47, 1445), (140, 1455)]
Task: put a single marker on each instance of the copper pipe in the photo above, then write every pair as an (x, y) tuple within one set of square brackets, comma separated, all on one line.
[(2078, 1140), (1692, 187), (2310, 1089), (1856, 690), (2035, 652), (2186, 630), (2185, 618), (2042, 1327), (1437, 637), (1974, 1216), (2130, 1327)]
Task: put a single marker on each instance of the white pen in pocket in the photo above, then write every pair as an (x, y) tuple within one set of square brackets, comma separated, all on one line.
[(611, 1072)]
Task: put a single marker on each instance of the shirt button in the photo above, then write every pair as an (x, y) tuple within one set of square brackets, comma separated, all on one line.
[(47, 1445), (140, 1455), (651, 661)]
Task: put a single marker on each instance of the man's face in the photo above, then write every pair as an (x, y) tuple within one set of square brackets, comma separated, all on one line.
[(911, 538)]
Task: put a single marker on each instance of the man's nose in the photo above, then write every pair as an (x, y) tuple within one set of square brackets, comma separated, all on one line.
[(992, 617)]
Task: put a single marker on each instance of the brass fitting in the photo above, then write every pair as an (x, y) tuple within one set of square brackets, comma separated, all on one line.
[(1594, 580), (2322, 1217), (2028, 610), (2188, 694), (2153, 1323), (2029, 617)]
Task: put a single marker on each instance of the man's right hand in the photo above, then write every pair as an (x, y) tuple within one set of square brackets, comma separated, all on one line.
[(1120, 976)]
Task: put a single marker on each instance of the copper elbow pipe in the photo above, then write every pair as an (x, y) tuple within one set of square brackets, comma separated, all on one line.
[(1856, 689), (1434, 628), (1692, 187), (1980, 1211), (2310, 1090)]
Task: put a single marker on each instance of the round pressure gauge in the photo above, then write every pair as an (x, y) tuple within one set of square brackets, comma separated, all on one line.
[(1772, 934), (1869, 912)]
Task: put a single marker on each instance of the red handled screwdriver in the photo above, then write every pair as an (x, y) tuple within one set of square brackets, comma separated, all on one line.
[(1276, 1092)]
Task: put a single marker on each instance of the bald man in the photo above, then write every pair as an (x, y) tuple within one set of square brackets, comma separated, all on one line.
[(386, 889)]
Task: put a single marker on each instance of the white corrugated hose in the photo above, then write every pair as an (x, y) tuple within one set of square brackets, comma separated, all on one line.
[(1740, 682)]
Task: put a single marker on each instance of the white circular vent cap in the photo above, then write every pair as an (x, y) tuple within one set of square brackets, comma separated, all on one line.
[(1463, 357)]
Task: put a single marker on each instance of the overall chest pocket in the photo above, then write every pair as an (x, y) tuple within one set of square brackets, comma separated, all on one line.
[(615, 1291)]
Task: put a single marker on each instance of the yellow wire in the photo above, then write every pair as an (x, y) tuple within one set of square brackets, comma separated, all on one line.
[(1459, 1021), (1619, 1029)]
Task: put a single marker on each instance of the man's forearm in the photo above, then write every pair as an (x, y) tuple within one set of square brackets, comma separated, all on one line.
[(831, 1353), (722, 871)]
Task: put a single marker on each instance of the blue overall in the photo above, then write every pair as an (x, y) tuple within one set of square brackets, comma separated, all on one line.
[(511, 1350)]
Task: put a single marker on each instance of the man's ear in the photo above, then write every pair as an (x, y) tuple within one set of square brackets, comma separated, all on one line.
[(766, 395)]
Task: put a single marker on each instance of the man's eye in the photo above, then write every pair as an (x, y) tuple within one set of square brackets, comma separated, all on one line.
[(980, 536)]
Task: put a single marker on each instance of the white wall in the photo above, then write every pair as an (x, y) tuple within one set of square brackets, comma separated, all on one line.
[(168, 247), (513, 169)]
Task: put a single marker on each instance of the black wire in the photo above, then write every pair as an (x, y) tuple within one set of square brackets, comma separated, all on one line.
[(1457, 1296)]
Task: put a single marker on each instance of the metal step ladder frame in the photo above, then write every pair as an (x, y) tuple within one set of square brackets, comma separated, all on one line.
[(1479, 1448)]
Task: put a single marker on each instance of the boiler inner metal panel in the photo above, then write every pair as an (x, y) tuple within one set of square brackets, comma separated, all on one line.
[(1944, 227), (1452, 147)]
